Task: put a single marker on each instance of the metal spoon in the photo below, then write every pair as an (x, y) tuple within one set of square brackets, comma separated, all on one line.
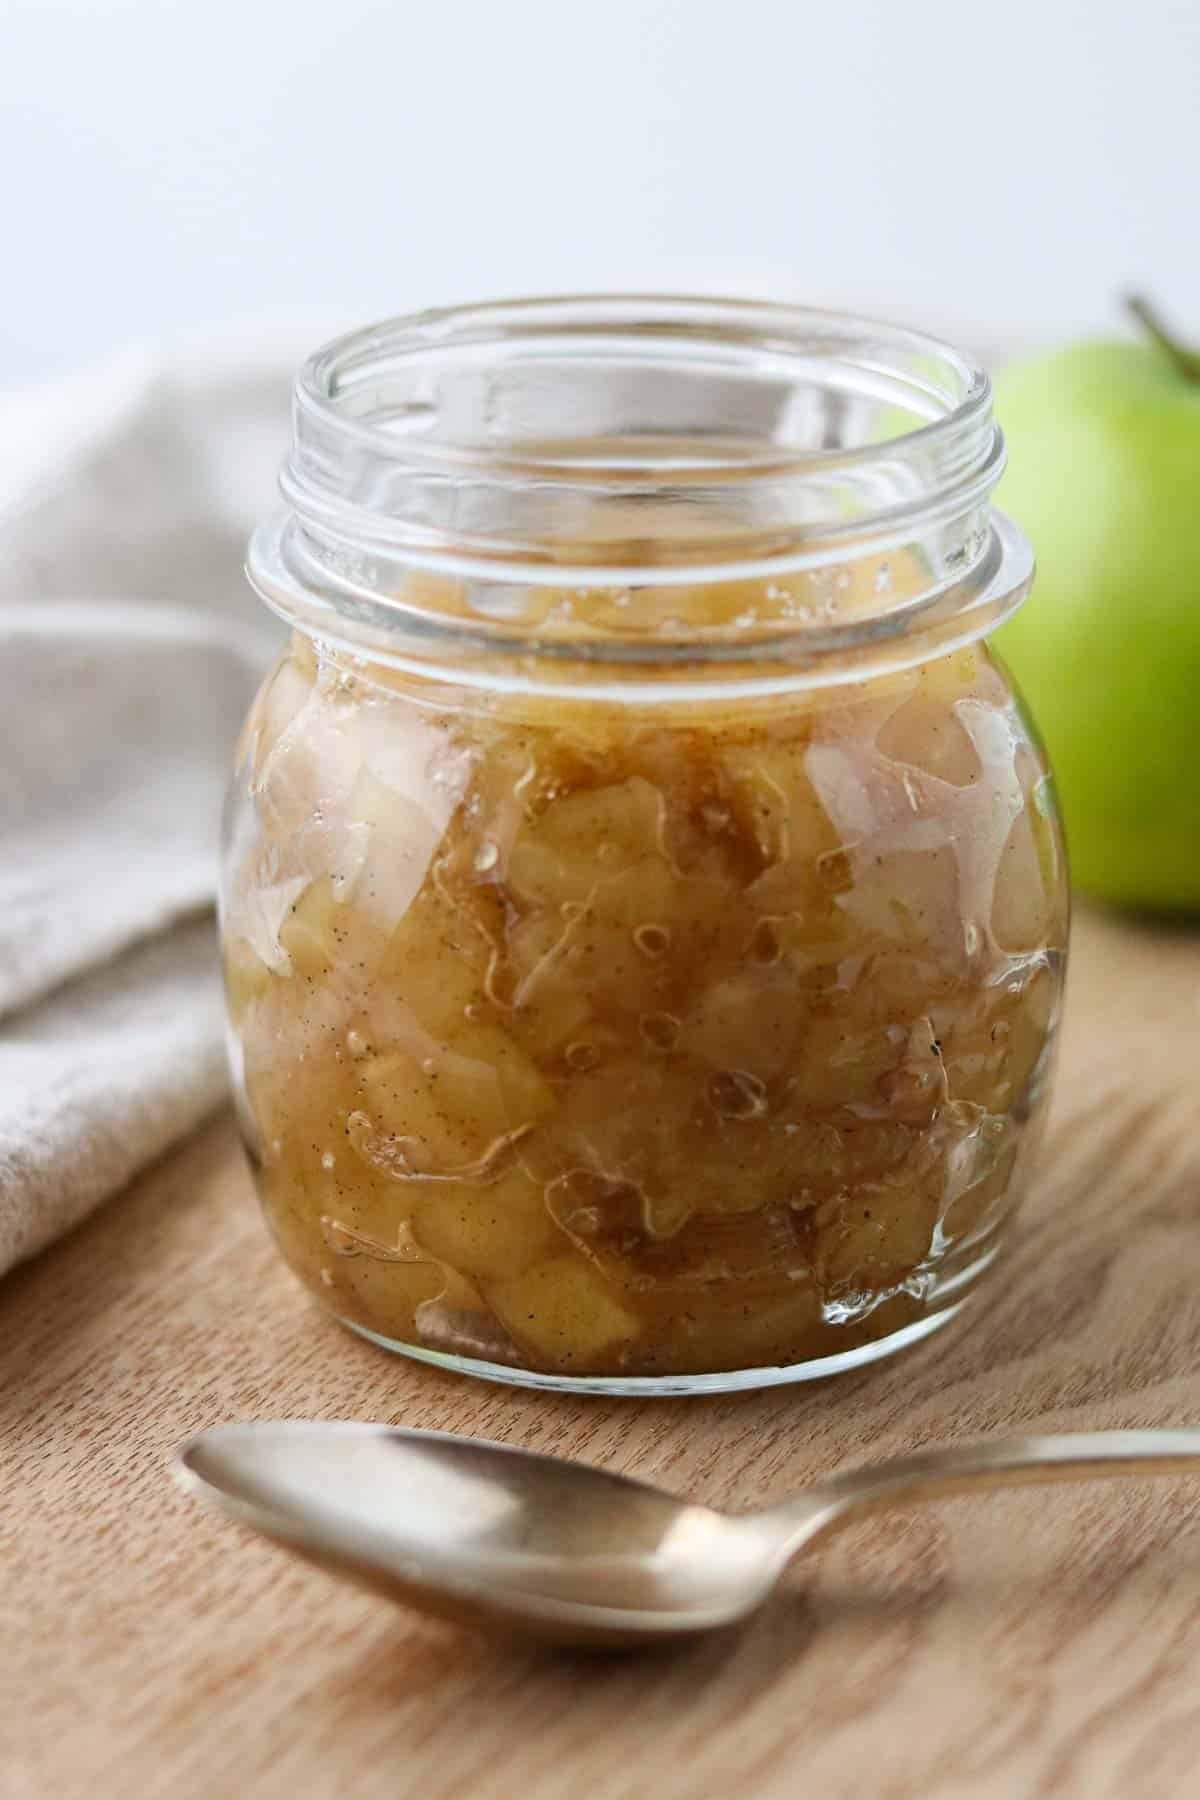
[(534, 1546)]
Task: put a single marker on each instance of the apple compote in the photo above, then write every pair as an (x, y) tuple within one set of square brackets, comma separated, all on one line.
[(618, 1040)]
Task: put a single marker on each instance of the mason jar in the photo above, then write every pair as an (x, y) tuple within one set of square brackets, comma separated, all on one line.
[(644, 903)]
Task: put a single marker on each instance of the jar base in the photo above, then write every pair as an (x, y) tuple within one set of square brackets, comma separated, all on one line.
[(725, 1382)]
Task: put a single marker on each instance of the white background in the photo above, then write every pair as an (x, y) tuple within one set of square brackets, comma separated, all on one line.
[(170, 166)]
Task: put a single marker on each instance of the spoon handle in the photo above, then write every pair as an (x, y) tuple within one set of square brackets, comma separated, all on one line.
[(995, 1463)]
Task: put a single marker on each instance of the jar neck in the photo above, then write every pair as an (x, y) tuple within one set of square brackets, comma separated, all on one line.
[(651, 484)]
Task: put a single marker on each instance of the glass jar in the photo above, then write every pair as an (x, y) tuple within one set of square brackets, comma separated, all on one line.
[(644, 904)]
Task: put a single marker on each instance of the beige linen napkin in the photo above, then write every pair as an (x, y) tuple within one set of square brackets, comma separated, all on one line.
[(129, 650)]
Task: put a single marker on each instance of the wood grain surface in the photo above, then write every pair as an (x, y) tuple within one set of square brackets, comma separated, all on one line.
[(1036, 1643)]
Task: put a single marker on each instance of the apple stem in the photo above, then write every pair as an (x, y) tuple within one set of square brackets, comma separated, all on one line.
[(1152, 322)]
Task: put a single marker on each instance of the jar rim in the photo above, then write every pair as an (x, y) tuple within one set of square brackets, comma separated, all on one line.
[(763, 441), (327, 375)]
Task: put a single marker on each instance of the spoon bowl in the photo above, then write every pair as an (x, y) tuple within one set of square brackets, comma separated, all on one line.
[(475, 1530), (531, 1545)]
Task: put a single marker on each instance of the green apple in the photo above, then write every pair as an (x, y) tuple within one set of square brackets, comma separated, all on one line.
[(1104, 476)]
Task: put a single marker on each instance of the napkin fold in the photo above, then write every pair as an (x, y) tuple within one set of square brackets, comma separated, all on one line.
[(130, 648)]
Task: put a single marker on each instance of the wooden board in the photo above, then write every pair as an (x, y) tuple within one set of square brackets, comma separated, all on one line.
[(1045, 1642)]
